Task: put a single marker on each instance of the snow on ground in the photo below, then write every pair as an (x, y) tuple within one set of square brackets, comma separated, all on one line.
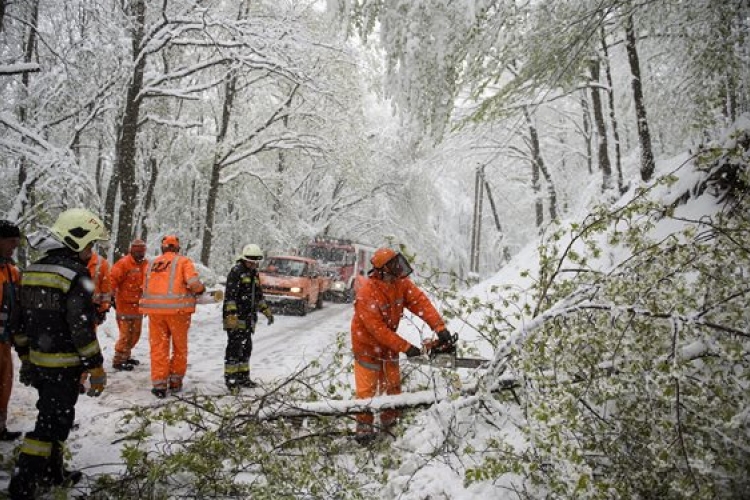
[(279, 350)]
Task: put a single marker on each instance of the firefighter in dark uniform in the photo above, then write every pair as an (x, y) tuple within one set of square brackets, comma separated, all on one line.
[(242, 301), (57, 342)]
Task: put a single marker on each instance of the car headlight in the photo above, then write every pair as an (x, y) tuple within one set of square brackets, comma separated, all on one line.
[(339, 285), (295, 289)]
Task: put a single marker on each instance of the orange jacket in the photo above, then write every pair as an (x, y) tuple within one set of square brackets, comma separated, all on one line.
[(99, 271), (377, 313), (9, 281), (170, 286), (127, 282)]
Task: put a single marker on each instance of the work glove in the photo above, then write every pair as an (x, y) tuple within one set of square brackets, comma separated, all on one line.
[(446, 343), (26, 373), (413, 351), (231, 322), (97, 381), (445, 336)]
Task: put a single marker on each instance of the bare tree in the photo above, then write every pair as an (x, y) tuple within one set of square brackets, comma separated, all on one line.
[(644, 136)]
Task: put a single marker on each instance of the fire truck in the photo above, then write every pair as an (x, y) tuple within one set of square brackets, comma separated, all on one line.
[(342, 260)]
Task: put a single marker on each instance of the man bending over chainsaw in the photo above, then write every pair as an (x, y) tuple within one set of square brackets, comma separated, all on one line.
[(378, 308)]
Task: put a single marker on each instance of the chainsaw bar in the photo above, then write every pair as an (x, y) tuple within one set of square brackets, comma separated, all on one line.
[(449, 361)]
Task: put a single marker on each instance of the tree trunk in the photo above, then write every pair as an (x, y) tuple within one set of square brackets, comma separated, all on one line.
[(536, 164), (601, 128), (24, 184), (644, 136), (148, 198), (612, 115), (125, 156), (587, 132), (213, 187)]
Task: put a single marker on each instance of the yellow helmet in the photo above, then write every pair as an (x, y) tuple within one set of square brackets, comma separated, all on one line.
[(251, 251), (77, 227)]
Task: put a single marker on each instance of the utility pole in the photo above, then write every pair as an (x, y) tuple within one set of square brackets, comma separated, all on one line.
[(476, 223)]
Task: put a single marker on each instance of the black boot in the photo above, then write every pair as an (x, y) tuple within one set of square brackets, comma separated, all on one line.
[(57, 473), (27, 480)]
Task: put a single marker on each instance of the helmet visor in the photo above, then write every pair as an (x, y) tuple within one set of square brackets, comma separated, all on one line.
[(252, 258), (398, 267)]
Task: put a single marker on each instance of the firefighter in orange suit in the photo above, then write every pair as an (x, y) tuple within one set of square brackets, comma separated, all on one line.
[(99, 270), (170, 288), (127, 283), (375, 344)]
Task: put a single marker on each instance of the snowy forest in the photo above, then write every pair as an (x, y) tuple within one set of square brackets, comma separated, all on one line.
[(569, 177)]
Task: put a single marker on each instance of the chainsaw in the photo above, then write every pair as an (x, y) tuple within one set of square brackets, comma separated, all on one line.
[(442, 354)]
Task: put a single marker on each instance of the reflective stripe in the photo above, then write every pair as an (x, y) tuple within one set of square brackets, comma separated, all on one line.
[(378, 367), (90, 349), (52, 268), (236, 368), (55, 360), (173, 305), (126, 317), (159, 384), (46, 279), (36, 448)]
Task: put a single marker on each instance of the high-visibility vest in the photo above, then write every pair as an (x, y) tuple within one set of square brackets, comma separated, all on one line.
[(170, 286)]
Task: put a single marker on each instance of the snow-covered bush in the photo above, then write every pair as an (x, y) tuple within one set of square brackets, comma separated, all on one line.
[(634, 376)]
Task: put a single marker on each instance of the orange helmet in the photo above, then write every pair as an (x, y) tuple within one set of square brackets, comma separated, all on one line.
[(388, 261), (171, 242), (381, 257)]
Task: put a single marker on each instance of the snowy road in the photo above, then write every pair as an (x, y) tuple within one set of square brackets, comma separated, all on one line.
[(279, 351)]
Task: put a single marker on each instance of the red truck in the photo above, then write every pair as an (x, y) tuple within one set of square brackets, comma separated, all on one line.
[(292, 283), (341, 260)]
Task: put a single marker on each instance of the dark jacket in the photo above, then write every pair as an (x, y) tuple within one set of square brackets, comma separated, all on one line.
[(58, 315), (244, 296)]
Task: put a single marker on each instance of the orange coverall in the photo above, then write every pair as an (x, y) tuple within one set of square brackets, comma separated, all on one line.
[(169, 290), (127, 282), (375, 343), (99, 270), (9, 280)]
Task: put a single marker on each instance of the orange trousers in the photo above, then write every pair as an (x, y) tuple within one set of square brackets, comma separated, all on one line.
[(6, 381), (168, 339), (130, 333), (373, 379)]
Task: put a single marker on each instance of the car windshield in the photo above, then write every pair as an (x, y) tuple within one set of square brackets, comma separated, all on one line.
[(285, 267)]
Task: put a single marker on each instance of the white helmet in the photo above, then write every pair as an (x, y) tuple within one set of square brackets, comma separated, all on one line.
[(251, 251), (77, 227)]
